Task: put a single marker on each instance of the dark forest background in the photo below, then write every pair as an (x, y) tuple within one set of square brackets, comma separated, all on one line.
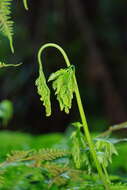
[(94, 35)]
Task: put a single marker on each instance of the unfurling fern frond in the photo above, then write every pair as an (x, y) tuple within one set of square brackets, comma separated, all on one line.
[(44, 92), (64, 86), (6, 24), (105, 150), (79, 148), (25, 4)]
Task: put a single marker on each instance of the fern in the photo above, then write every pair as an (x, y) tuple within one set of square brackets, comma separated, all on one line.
[(60, 175), (64, 86), (56, 171), (79, 148), (46, 155), (17, 156), (6, 24), (105, 150), (44, 92)]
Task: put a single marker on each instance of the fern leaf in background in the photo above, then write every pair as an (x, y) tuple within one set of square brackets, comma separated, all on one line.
[(6, 24), (25, 4)]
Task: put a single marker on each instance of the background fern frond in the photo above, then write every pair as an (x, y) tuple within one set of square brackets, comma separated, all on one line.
[(46, 155), (60, 174), (6, 24), (16, 156)]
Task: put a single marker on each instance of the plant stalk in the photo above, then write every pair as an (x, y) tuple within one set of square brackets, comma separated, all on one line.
[(81, 111), (88, 137)]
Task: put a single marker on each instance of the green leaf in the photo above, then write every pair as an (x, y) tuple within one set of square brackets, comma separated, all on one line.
[(64, 86), (44, 92)]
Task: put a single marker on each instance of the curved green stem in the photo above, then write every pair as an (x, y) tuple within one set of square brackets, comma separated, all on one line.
[(81, 111), (55, 46)]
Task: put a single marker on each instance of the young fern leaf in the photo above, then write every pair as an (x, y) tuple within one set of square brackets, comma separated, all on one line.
[(79, 148), (44, 92), (105, 150), (25, 4), (64, 86), (6, 24)]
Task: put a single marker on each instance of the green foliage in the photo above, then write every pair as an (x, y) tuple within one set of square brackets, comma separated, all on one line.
[(34, 164), (105, 150), (21, 141), (6, 111), (79, 148), (64, 86), (6, 24), (43, 91), (50, 168)]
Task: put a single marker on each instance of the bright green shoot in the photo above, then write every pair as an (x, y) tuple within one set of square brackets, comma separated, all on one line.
[(65, 85)]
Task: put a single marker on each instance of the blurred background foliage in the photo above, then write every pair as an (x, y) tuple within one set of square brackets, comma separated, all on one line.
[(94, 35)]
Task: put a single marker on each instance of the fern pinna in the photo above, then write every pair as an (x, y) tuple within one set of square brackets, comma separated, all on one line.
[(6, 24)]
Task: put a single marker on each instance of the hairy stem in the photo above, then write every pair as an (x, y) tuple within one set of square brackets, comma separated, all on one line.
[(81, 111)]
